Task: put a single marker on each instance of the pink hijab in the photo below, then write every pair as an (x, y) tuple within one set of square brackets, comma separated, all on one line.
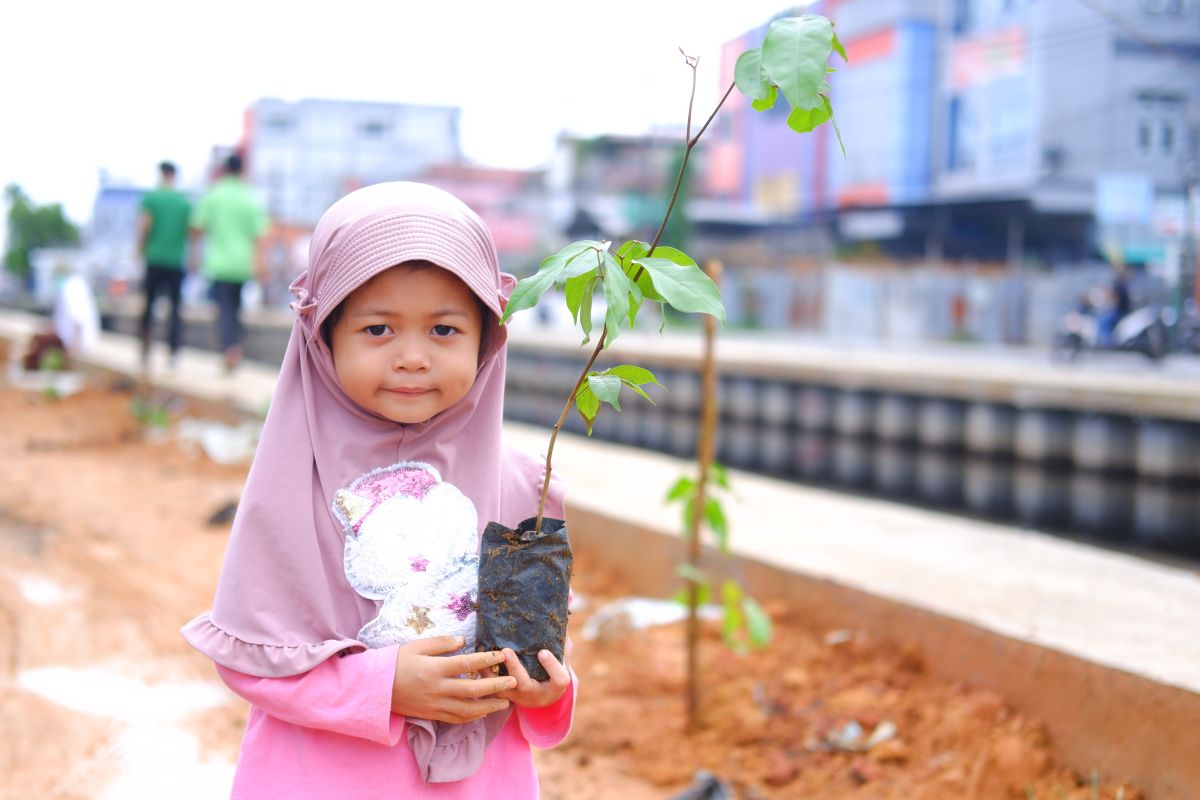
[(283, 603)]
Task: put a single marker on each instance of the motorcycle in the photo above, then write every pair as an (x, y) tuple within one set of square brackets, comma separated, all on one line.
[(1143, 330)]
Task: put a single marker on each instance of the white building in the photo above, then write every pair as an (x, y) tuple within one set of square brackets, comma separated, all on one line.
[(304, 155)]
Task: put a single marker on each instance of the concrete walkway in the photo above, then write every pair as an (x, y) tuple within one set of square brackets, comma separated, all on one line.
[(1108, 609)]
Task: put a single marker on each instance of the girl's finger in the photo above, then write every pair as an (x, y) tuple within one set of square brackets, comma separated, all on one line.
[(515, 669), (471, 662), (559, 675), (482, 687)]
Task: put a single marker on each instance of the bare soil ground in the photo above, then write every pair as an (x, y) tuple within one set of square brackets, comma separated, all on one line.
[(106, 549)]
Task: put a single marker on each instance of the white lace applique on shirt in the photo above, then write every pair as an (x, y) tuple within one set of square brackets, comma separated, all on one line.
[(412, 544)]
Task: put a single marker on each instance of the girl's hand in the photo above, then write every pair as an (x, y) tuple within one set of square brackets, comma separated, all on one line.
[(426, 683), (531, 693)]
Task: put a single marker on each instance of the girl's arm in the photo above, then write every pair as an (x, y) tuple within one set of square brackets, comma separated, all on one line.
[(350, 695)]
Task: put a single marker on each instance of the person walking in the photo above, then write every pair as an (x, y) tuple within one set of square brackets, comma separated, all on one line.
[(162, 244), (230, 220)]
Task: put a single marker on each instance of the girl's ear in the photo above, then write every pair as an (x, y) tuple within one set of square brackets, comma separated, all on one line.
[(351, 507)]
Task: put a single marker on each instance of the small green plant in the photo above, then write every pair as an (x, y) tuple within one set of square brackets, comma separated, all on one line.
[(792, 62), (744, 624), (53, 360), (151, 415)]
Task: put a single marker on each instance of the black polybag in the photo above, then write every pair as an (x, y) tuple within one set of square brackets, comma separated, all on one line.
[(524, 578)]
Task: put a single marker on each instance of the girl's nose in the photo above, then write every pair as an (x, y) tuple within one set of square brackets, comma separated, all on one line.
[(410, 357)]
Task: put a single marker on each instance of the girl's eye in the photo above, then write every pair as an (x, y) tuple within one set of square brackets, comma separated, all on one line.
[(376, 330), (443, 330)]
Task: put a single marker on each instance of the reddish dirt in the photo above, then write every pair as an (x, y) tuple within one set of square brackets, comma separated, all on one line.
[(88, 502)]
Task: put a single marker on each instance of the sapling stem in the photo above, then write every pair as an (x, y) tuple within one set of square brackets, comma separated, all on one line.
[(690, 142), (704, 457)]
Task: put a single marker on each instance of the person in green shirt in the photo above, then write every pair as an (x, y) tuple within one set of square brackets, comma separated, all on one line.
[(162, 244), (231, 221)]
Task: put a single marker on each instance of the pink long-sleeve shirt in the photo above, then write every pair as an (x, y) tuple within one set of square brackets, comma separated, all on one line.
[(330, 732)]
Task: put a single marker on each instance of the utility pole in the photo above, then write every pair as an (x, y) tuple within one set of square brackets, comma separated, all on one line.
[(1189, 272)]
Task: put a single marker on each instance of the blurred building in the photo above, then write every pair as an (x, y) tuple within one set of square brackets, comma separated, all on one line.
[(984, 130), (612, 186), (110, 242), (305, 155), (511, 202)]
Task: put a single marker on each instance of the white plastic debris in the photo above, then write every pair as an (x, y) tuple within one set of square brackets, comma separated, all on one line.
[(849, 737), (225, 444), (633, 613), (840, 636)]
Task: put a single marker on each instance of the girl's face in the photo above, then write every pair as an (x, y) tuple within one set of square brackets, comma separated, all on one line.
[(406, 346)]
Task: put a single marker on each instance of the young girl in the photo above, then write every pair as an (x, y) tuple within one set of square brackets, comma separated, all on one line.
[(345, 609)]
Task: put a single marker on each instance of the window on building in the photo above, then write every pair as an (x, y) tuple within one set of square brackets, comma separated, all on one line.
[(374, 129), (278, 122), (1158, 121), (962, 150), (1144, 137)]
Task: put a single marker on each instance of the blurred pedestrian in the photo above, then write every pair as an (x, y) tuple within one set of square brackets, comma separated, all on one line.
[(231, 221), (1118, 304), (162, 243)]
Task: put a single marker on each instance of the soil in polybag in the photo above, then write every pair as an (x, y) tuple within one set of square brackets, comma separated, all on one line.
[(524, 578)]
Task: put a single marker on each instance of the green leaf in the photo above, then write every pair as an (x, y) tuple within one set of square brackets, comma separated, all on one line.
[(633, 377), (636, 295), (749, 76), (803, 120), (587, 405), (731, 592), (684, 487), (616, 293), (606, 388), (554, 269), (719, 474), (686, 288), (635, 303), (677, 256), (731, 595), (632, 250), (841, 51), (584, 257), (768, 102), (714, 515), (794, 55), (758, 624), (629, 253), (690, 572), (529, 290), (633, 374), (575, 289), (689, 511), (579, 291), (703, 595)]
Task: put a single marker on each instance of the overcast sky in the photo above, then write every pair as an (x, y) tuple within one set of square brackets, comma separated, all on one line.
[(119, 85)]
